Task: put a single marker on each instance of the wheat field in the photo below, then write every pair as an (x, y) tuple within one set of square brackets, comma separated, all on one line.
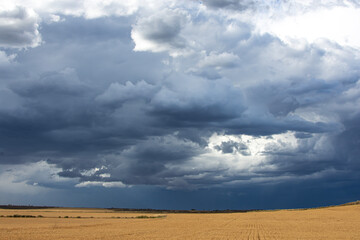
[(341, 222)]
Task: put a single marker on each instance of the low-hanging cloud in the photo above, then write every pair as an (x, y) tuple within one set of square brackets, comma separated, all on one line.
[(182, 97)]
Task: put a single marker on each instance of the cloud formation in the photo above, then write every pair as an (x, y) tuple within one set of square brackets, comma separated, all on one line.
[(160, 32), (19, 28), (189, 95)]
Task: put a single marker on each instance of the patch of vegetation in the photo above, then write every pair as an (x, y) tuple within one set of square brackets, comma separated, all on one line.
[(144, 216), (21, 216)]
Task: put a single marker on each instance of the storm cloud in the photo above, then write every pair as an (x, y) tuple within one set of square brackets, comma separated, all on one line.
[(182, 96)]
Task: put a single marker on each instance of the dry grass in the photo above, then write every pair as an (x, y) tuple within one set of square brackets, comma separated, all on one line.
[(342, 222)]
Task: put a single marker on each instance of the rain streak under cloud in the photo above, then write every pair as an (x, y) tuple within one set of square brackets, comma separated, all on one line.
[(179, 104)]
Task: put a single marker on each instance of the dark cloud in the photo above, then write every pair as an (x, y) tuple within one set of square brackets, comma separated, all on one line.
[(318, 156), (233, 147), (118, 94), (200, 105), (126, 126), (160, 32), (303, 135), (50, 85), (151, 161), (346, 145), (93, 111)]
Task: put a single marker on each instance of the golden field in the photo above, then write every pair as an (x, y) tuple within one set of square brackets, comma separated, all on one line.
[(341, 222)]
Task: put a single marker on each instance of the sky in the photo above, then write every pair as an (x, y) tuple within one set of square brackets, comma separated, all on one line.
[(188, 104)]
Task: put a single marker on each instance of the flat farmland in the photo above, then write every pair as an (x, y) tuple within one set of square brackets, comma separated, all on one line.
[(341, 222)]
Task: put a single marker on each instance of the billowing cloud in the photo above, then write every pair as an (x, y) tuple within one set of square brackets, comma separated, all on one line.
[(184, 95), (118, 93), (161, 32), (19, 28)]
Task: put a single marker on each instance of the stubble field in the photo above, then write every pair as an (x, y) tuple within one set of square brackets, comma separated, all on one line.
[(342, 222)]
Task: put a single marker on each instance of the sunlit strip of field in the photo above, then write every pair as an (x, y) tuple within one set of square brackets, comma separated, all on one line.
[(342, 222)]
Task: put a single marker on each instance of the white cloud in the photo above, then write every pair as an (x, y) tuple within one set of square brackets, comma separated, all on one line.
[(53, 18), (30, 178), (19, 27), (101, 184), (82, 8), (218, 61), (335, 21), (92, 9)]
